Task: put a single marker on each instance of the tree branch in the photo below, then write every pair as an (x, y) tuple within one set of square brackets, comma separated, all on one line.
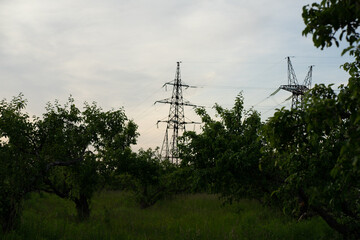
[(328, 218), (331, 221), (63, 164), (54, 190)]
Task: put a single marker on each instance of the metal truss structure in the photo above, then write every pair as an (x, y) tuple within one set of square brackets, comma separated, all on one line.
[(176, 118), (297, 90)]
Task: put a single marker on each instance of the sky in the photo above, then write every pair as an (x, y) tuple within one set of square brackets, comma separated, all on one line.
[(120, 53)]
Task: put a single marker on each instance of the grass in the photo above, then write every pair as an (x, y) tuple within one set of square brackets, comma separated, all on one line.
[(115, 215)]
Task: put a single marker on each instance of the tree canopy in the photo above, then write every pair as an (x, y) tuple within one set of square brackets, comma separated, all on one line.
[(332, 20), (68, 152)]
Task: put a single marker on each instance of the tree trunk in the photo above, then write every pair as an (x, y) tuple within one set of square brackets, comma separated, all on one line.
[(82, 207), (144, 199), (330, 220), (10, 217)]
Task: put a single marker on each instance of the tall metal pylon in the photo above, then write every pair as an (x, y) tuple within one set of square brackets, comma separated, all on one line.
[(176, 118), (294, 87)]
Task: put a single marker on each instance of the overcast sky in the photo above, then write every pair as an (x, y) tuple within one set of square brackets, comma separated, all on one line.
[(120, 53)]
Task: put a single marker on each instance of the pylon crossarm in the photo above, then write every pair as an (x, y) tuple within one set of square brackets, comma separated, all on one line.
[(161, 121), (295, 89), (177, 84), (180, 85), (166, 100), (191, 123), (188, 104)]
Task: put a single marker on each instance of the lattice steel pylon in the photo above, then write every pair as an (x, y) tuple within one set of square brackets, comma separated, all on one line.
[(294, 87), (176, 118)]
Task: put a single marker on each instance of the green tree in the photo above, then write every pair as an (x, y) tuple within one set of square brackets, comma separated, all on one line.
[(311, 146), (19, 171), (146, 176), (78, 147), (316, 147), (225, 156), (68, 152)]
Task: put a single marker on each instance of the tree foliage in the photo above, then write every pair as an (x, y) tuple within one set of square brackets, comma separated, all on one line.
[(84, 142), (225, 155), (19, 171), (316, 147), (323, 20), (68, 152), (147, 176)]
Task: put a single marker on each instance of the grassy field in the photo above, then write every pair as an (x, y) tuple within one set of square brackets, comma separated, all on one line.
[(115, 215)]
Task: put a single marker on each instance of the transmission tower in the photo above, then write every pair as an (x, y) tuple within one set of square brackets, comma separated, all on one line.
[(176, 118), (294, 87)]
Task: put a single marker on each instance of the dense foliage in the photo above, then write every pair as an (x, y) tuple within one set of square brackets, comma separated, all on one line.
[(309, 158), (313, 147), (66, 152), (224, 157), (324, 20), (19, 169), (305, 159), (146, 176), (82, 142)]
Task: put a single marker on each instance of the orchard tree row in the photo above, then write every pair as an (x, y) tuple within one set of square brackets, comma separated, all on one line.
[(305, 161), (74, 153)]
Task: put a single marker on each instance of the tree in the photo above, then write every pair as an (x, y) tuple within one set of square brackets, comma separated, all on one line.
[(149, 178), (19, 171), (77, 149), (310, 145), (327, 128), (68, 152), (148, 172), (225, 156)]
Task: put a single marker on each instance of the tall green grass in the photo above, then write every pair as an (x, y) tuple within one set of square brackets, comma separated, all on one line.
[(115, 215)]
